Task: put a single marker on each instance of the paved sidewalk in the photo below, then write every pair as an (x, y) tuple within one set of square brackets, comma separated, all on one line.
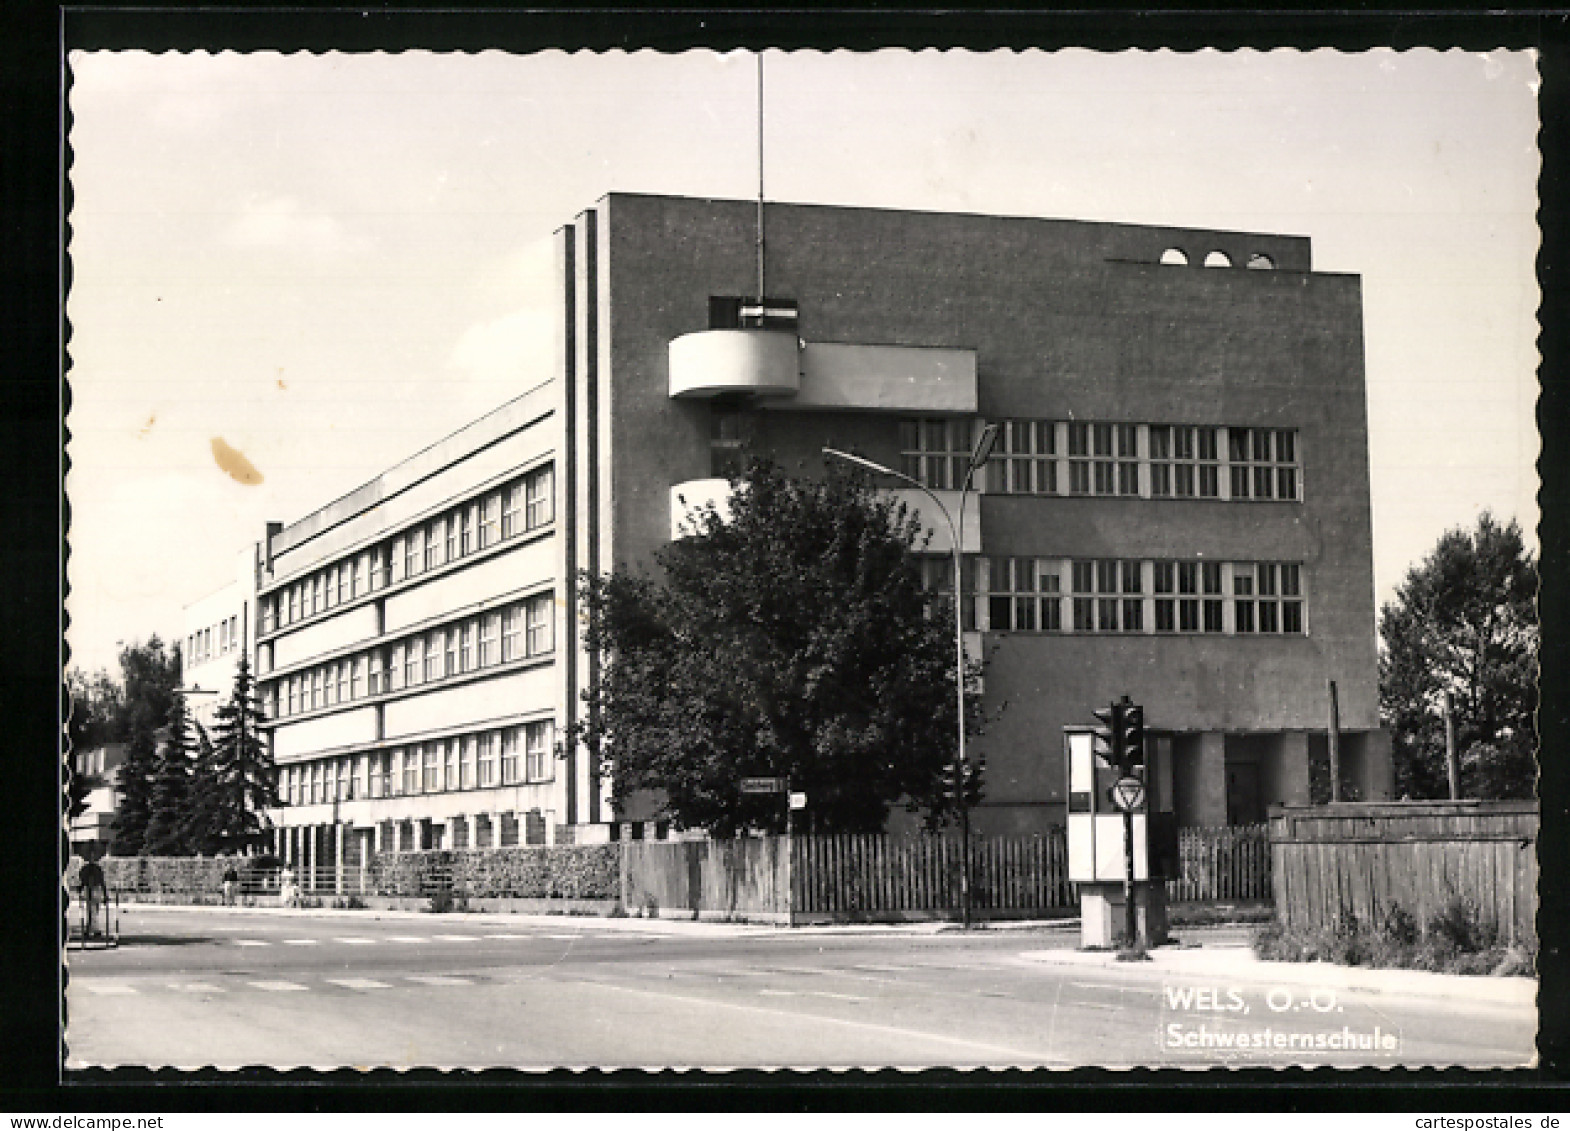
[(1240, 962)]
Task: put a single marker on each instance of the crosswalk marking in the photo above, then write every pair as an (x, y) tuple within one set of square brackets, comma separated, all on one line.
[(278, 987), (882, 969), (515, 937), (406, 938), (107, 988), (561, 936), (251, 942), (455, 938), (837, 997), (196, 988), (356, 941), (302, 942), (438, 980), (359, 983)]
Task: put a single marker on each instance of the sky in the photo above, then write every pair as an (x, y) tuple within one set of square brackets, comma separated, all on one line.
[(327, 262)]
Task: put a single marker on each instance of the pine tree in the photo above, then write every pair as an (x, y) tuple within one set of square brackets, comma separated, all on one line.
[(149, 677), (243, 779), (204, 808), (171, 787)]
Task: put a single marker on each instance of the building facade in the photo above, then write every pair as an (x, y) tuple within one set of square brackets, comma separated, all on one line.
[(1178, 509)]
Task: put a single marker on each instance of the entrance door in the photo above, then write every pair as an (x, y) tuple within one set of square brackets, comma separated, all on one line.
[(1243, 805)]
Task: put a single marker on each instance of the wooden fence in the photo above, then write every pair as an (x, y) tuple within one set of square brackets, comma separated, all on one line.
[(1222, 864), (1363, 860), (714, 879)]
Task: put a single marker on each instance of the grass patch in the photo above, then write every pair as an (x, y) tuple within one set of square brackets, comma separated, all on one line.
[(1218, 914), (1454, 940)]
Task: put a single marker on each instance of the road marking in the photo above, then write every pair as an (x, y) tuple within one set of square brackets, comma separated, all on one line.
[(515, 937), (883, 969), (360, 983), (1122, 989), (355, 941), (455, 938), (1091, 1005), (837, 997), (406, 938), (107, 988), (778, 993), (990, 1050), (278, 987), (196, 988), (251, 942), (561, 936), (438, 980), (302, 942)]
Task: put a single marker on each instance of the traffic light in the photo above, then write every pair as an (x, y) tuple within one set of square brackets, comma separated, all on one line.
[(1106, 739), (1131, 749)]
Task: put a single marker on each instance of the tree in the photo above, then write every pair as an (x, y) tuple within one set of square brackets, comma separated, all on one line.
[(1464, 621), (202, 812), (792, 640), (171, 787), (243, 784), (149, 676)]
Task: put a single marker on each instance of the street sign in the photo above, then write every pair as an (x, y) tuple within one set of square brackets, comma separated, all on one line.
[(798, 801), (763, 785), (1127, 794)]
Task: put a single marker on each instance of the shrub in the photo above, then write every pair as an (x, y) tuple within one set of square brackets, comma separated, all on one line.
[(1454, 940)]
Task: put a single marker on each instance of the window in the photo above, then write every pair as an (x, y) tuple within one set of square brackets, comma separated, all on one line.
[(512, 633), (1107, 596), (450, 778), (411, 769), (466, 764), (512, 510), (343, 791), (450, 659), (487, 758), (541, 635), (466, 531), (433, 655), (452, 537), (490, 508), (330, 587), (223, 636), (1023, 462), (412, 650), (1210, 583), (433, 753), (357, 576), (1022, 596), (329, 684), (294, 603), (377, 771), (318, 602), (1267, 597), (1264, 463), (537, 745), (489, 623), (374, 685), (316, 689), (510, 766), (538, 505), (937, 578), (291, 697), (433, 544), (356, 673), (269, 610), (395, 662), (466, 647), (1078, 458), (936, 452), (343, 681), (413, 547), (728, 435), (379, 567)]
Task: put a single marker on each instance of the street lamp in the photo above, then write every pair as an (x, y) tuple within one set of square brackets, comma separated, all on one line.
[(978, 458)]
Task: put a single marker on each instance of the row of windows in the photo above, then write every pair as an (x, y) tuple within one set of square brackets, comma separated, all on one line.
[(515, 632), (1117, 595), (508, 756), (1047, 457), (200, 645), (504, 512)]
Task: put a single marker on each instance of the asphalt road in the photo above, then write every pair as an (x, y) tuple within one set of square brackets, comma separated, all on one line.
[(198, 987)]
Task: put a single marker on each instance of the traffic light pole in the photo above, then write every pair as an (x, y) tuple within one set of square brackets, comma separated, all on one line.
[(1130, 923)]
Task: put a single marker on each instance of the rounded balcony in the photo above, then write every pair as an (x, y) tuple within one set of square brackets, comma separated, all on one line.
[(711, 362)]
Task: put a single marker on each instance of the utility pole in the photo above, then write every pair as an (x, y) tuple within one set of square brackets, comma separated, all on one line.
[(1335, 745), (1452, 760)]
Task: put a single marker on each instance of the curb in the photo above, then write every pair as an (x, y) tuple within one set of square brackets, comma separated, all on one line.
[(1241, 964)]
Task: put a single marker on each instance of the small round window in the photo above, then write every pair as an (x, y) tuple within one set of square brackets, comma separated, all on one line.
[(1260, 262), (1176, 256), (1218, 259)]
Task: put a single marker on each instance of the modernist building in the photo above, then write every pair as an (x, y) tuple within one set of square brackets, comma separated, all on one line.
[(1178, 509), (219, 629), (95, 824)]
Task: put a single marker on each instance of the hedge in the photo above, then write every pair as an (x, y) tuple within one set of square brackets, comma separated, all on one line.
[(590, 871)]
